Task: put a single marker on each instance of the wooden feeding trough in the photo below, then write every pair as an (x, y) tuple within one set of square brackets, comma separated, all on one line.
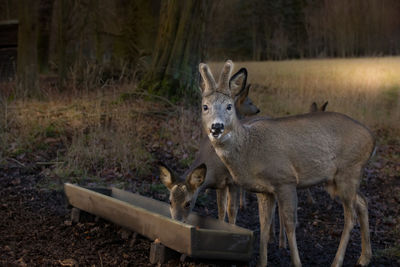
[(202, 237)]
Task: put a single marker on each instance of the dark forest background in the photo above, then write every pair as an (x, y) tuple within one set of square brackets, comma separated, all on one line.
[(161, 42)]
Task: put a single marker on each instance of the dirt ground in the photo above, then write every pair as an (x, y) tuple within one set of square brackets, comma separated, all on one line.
[(35, 227)]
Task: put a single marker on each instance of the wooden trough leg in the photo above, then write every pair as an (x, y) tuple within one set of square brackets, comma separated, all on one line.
[(183, 258), (160, 254), (75, 215), (78, 215)]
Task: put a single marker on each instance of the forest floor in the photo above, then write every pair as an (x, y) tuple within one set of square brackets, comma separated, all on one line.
[(35, 227)]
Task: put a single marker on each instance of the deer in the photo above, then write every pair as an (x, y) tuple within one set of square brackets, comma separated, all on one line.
[(275, 157), (207, 171), (310, 200), (313, 108)]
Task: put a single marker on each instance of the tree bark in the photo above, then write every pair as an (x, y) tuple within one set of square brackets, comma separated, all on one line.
[(45, 18), (27, 66), (62, 41), (179, 48)]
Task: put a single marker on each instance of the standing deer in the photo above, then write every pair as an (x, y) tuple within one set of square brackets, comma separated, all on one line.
[(274, 157), (313, 108), (207, 171), (310, 200)]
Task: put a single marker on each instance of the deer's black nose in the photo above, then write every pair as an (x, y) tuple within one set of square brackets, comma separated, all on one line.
[(217, 128), (258, 111)]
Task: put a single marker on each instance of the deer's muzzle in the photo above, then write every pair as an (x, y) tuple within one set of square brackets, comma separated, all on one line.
[(217, 129)]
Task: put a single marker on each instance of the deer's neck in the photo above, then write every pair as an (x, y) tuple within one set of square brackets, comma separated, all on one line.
[(230, 148), (238, 115)]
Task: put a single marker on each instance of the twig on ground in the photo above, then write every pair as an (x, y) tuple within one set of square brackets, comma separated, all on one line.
[(49, 163), (16, 161)]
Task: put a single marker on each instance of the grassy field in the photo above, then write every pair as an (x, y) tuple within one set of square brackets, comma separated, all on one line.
[(367, 89), (115, 131)]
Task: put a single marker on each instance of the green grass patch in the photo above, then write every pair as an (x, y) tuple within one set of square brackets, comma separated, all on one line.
[(390, 252)]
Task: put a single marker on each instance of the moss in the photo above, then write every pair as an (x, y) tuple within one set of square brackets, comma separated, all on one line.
[(51, 131)]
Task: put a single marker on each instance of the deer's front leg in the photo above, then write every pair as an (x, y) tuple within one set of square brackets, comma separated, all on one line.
[(287, 201), (233, 203), (243, 202), (221, 202), (266, 210), (282, 235)]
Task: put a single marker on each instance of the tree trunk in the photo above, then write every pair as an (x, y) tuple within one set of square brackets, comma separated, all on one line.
[(179, 48), (62, 41), (45, 18), (27, 66)]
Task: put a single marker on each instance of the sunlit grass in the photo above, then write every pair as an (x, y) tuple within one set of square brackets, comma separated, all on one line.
[(367, 89), (116, 128)]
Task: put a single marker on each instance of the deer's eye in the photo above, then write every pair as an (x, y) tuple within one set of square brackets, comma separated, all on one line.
[(205, 107), (229, 107), (187, 205)]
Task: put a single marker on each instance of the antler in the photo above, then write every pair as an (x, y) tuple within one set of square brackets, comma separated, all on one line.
[(209, 81), (224, 78), (208, 78)]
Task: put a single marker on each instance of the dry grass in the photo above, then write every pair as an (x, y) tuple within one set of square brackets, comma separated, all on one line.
[(116, 131), (367, 89), (102, 133)]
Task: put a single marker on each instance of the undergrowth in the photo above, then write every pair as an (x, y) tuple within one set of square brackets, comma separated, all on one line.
[(98, 136)]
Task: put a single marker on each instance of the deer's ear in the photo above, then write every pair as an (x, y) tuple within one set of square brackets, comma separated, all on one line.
[(166, 176), (324, 106), (197, 177), (313, 107), (237, 83), (241, 96)]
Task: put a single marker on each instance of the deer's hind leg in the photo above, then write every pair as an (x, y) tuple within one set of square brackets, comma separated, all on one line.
[(345, 186), (266, 210), (310, 199), (362, 213), (287, 202)]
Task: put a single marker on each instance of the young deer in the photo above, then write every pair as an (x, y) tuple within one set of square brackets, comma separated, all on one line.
[(274, 157), (207, 171)]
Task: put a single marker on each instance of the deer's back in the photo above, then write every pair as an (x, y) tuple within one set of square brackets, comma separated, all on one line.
[(308, 148)]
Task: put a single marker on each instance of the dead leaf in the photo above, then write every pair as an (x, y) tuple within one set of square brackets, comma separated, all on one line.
[(16, 181), (69, 262), (21, 262)]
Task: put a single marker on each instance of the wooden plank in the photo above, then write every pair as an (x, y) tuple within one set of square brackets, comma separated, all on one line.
[(239, 246), (174, 234)]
